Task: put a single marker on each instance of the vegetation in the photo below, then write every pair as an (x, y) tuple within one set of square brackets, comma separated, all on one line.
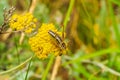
[(86, 44)]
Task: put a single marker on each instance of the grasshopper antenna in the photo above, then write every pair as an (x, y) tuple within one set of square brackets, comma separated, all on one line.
[(63, 35)]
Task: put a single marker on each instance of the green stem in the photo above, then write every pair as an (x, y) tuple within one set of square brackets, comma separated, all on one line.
[(48, 67), (18, 56), (67, 17), (115, 26), (95, 54), (28, 69), (15, 68), (116, 30)]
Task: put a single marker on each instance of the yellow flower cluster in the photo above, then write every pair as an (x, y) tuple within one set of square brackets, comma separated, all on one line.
[(43, 44), (24, 22)]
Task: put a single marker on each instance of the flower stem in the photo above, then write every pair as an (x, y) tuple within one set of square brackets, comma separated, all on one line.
[(48, 68), (28, 69), (56, 66), (17, 67), (67, 17)]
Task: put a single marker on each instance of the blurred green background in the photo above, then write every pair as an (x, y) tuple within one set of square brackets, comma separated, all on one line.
[(92, 32)]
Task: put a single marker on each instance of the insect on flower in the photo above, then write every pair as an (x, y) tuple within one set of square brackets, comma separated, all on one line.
[(47, 41), (59, 40)]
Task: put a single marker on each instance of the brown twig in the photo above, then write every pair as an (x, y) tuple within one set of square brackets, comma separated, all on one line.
[(31, 10), (7, 14), (6, 35), (33, 5), (56, 66)]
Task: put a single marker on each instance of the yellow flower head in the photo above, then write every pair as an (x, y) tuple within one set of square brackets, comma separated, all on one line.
[(43, 43), (25, 22)]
